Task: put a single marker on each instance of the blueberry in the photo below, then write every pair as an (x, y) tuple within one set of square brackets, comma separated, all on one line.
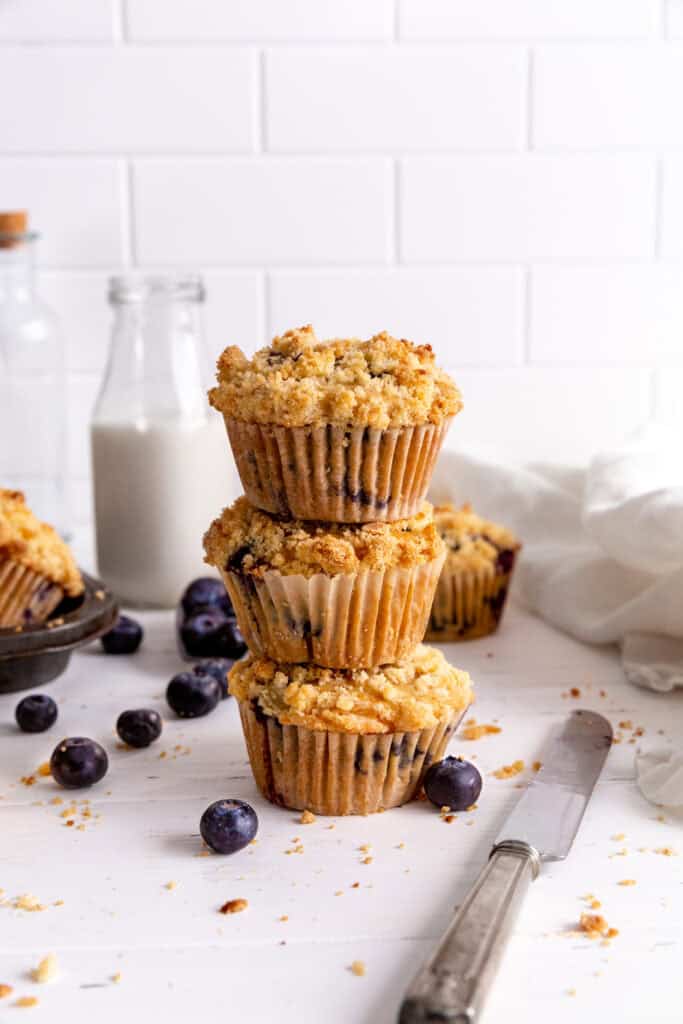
[(218, 668), (453, 783), (204, 593), (210, 634), (192, 696), (36, 713), (124, 638), (139, 728), (77, 762), (228, 825)]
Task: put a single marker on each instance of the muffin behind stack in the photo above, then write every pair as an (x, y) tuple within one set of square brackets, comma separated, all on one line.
[(332, 561)]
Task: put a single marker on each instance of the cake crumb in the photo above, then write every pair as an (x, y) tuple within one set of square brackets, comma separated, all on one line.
[(627, 881), (5, 990), (575, 691), (116, 978), (665, 851), (44, 770), (172, 884), (356, 885), (234, 906), (475, 732), (25, 1001), (285, 917), (595, 927), (47, 969), (571, 991), (28, 780), (330, 826), (28, 902), (339, 892), (508, 771), (358, 968), (618, 837), (626, 724), (307, 817), (56, 800)]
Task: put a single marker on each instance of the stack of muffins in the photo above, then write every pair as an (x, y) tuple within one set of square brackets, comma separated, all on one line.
[(332, 560)]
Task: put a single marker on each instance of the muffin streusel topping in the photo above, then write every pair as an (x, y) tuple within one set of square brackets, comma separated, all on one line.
[(471, 542), (414, 694), (245, 539), (300, 381), (24, 539)]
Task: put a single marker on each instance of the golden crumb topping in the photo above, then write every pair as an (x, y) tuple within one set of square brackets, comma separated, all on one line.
[(298, 381), (414, 694), (472, 542), (24, 539), (245, 539)]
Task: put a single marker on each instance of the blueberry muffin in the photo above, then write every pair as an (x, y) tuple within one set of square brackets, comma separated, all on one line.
[(347, 742), (340, 595), (470, 596), (339, 431), (36, 567)]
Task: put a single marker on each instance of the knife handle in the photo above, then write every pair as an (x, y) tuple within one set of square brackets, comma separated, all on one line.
[(454, 983)]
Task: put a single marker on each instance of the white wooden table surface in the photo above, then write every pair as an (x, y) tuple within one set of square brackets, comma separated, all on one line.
[(179, 959)]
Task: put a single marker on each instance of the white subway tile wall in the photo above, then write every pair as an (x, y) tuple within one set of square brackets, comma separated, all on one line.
[(500, 178)]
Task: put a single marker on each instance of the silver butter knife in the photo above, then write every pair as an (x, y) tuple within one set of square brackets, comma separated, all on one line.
[(453, 984)]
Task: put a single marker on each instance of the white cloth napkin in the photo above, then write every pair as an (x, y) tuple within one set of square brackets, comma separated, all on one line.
[(603, 552)]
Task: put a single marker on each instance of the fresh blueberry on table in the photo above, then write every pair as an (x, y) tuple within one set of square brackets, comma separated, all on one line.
[(78, 762), (36, 713), (206, 592), (139, 728), (228, 825), (453, 783), (218, 668), (124, 638), (192, 696), (210, 634)]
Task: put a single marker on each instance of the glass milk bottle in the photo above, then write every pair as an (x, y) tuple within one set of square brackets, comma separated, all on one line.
[(32, 383), (162, 467)]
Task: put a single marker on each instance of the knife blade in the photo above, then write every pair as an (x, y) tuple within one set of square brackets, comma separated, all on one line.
[(453, 984)]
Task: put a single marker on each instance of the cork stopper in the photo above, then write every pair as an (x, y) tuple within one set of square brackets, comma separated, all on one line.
[(12, 223)]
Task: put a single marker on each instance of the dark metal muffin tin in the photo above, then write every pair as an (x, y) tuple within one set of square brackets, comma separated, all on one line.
[(38, 654)]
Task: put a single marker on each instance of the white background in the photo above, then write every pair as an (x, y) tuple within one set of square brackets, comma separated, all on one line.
[(500, 178)]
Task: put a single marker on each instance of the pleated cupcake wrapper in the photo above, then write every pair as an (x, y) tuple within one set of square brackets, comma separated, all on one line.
[(352, 620), (339, 773), (26, 597), (468, 604), (335, 474)]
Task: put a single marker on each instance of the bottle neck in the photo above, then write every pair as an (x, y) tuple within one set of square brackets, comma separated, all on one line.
[(17, 271)]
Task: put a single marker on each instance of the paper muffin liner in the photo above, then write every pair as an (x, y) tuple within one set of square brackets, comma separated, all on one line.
[(470, 604), (334, 474), (26, 597), (339, 773), (351, 620)]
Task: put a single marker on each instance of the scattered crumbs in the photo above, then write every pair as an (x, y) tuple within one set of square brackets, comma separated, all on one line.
[(603, 693), (47, 970), (203, 853), (58, 903), (401, 846), (25, 1001), (285, 917), (68, 812), (627, 881), (329, 826), (28, 902), (44, 770), (475, 732), (469, 822), (445, 809), (508, 771), (619, 853), (358, 968), (234, 906), (116, 978), (28, 780), (365, 848), (356, 885), (367, 860), (665, 851), (99, 595), (56, 800), (575, 692), (307, 817), (595, 927), (536, 766), (339, 892), (162, 755), (472, 807), (626, 724), (448, 818), (660, 817), (172, 884), (618, 837), (571, 991), (5, 990), (69, 822)]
